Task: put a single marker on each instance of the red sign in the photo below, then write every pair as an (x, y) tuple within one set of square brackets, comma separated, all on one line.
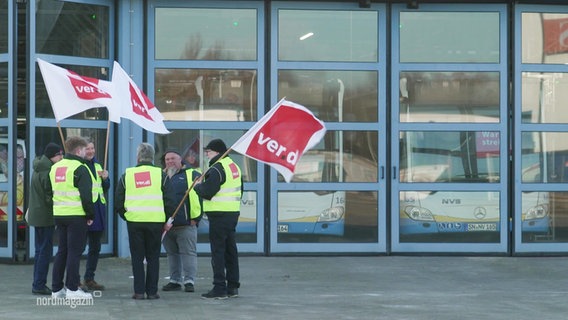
[(142, 179), (555, 36), (60, 174)]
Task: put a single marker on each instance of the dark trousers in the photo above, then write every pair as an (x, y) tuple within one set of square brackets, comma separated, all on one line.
[(224, 254), (43, 254), (72, 235), (145, 242), (94, 243)]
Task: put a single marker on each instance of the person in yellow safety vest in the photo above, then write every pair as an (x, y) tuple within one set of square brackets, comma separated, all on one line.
[(139, 200), (180, 241), (96, 229), (221, 191), (73, 212)]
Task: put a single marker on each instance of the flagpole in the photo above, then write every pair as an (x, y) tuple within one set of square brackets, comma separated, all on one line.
[(106, 144), (171, 219), (61, 135)]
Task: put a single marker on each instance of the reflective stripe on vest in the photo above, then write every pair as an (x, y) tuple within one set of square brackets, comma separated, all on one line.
[(143, 194), (98, 183), (194, 205), (228, 199), (66, 197)]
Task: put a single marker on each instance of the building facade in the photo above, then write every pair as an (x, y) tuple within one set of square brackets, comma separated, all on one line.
[(445, 126)]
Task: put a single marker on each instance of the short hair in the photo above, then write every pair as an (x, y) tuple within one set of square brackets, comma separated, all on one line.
[(72, 144), (145, 152)]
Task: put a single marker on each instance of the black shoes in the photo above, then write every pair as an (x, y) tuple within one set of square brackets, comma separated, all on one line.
[(43, 291), (232, 292), (138, 296), (189, 287), (153, 296), (216, 295), (171, 286)]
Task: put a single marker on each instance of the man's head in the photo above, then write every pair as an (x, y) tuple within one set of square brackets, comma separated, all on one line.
[(172, 161), (145, 153), (215, 147), (76, 146), (53, 152)]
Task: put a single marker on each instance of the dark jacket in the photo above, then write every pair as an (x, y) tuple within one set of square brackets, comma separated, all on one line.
[(174, 190), (40, 209), (100, 208), (120, 192), (213, 179)]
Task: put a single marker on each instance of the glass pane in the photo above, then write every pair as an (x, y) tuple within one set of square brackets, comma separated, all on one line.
[(312, 35), (449, 97), (544, 157), (449, 156), (246, 227), (448, 216), (4, 89), (452, 37), (72, 29), (544, 97), (43, 105), (341, 96), (341, 156), (206, 94), (206, 34), (4, 26), (538, 220), (544, 37)]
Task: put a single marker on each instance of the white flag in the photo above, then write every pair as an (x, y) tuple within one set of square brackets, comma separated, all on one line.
[(281, 137), (70, 93), (134, 104)]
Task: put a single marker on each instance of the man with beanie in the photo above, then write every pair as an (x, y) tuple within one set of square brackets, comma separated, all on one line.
[(40, 215), (180, 241), (73, 212), (95, 233), (221, 191)]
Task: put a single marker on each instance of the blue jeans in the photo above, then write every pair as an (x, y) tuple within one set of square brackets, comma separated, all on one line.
[(43, 254), (181, 247), (94, 243)]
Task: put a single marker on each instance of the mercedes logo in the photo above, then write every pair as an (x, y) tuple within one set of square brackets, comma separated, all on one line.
[(479, 213)]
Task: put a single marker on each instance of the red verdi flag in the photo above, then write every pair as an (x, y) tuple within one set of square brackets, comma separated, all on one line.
[(555, 36), (70, 93), (282, 136)]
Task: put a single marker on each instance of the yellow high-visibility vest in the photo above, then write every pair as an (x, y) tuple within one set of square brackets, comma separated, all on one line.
[(98, 183), (143, 194), (66, 197), (194, 205), (228, 199)]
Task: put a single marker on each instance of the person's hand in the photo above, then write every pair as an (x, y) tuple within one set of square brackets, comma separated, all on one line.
[(103, 174), (89, 222), (167, 226)]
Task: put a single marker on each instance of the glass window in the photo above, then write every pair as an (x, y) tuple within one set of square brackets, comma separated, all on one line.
[(449, 97), (544, 97), (544, 38), (544, 157), (544, 216), (206, 34), (448, 216), (72, 29), (451, 37), (449, 156), (327, 35), (342, 96), (206, 94), (4, 89), (4, 26), (43, 105)]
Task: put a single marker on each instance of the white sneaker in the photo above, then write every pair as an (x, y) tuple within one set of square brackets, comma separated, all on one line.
[(59, 294), (78, 294)]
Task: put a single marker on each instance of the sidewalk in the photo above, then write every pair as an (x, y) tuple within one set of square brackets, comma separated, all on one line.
[(392, 287)]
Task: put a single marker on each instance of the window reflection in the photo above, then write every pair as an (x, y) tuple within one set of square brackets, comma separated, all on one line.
[(544, 37), (4, 34), (342, 96), (447, 216), (449, 97), (4, 90), (206, 94), (206, 34), (544, 157), (544, 96), (43, 104), (327, 35), (445, 156), (72, 29)]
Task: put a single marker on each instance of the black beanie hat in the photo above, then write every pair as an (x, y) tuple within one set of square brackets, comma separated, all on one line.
[(216, 145), (52, 150), (170, 150)]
